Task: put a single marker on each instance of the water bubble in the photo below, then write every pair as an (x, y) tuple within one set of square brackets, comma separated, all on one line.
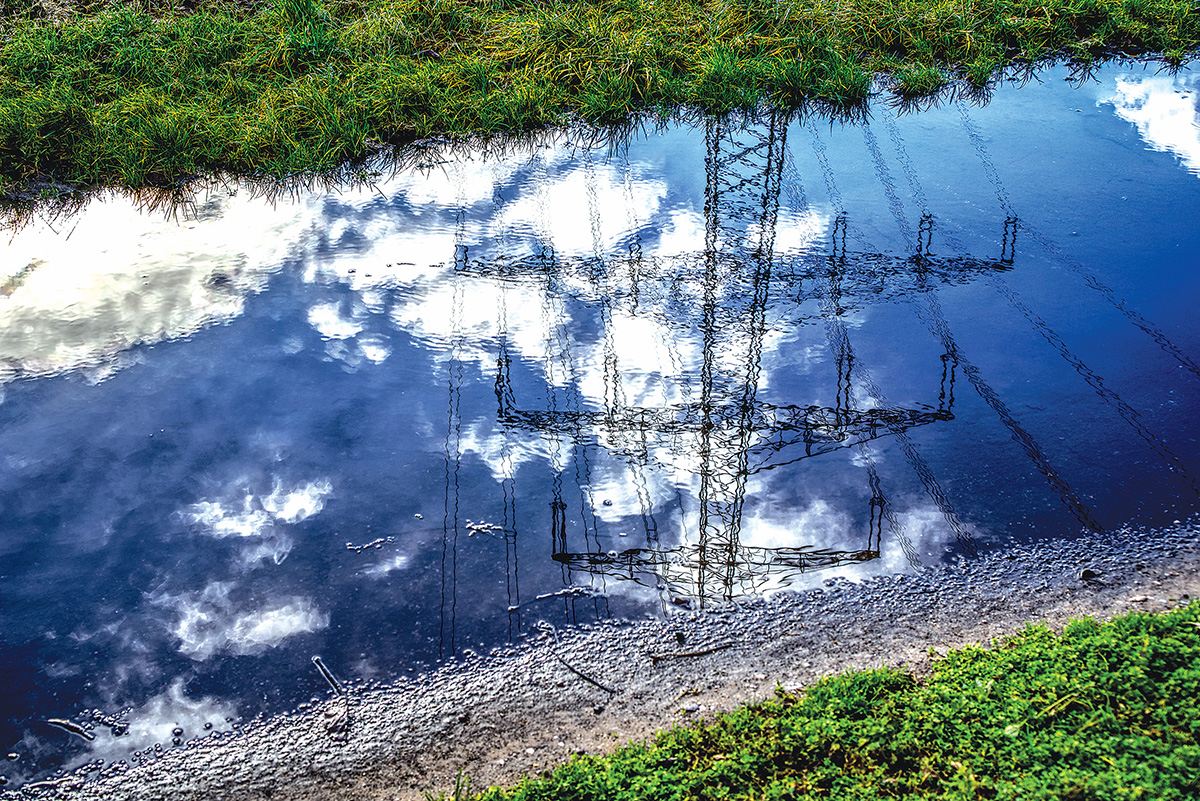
[(177, 731)]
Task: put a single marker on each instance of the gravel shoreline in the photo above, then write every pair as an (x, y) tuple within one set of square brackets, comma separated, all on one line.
[(596, 687)]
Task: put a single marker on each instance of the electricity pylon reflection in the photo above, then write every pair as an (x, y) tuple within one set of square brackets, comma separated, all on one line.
[(721, 429)]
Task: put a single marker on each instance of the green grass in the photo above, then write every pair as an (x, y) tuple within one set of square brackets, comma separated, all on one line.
[(144, 92), (1104, 711)]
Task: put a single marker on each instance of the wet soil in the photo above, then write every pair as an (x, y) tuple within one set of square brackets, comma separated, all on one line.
[(528, 708)]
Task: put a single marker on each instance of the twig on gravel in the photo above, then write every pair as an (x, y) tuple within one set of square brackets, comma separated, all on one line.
[(581, 674), (336, 721), (554, 651), (702, 652)]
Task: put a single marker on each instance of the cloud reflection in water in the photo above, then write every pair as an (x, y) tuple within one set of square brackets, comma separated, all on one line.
[(539, 384), (77, 297), (1165, 110)]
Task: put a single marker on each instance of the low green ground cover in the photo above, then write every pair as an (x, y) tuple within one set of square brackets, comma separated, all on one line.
[(144, 91), (1104, 711)]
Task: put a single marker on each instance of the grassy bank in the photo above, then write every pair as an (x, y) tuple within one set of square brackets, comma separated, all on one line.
[(1101, 712), (145, 91)]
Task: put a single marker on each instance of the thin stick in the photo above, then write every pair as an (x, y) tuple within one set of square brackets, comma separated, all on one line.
[(574, 669), (329, 677), (703, 652), (342, 722), (73, 728), (581, 674)]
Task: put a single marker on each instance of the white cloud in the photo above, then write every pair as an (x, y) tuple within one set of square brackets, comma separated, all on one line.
[(682, 232), (390, 565), (273, 548), (209, 622), (376, 349), (1164, 110), (75, 295), (221, 520), (155, 722), (330, 323), (300, 503), (258, 518)]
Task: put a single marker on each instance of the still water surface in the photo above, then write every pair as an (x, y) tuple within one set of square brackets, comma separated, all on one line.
[(387, 425)]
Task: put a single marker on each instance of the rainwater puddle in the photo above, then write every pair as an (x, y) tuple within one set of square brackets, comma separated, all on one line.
[(388, 425)]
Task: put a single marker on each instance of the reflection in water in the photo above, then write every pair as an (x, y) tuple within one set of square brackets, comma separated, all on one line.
[(1166, 111), (1127, 412), (929, 310), (836, 334), (74, 295), (931, 314), (720, 431), (666, 372), (1056, 253), (1011, 223)]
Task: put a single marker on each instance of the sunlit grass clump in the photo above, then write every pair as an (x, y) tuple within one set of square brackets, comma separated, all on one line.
[(1103, 712), (146, 91)]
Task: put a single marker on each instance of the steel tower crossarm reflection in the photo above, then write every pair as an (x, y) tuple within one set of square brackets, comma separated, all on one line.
[(731, 432)]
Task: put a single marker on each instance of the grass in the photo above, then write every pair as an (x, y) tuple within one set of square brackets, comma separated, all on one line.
[(1104, 711), (144, 92)]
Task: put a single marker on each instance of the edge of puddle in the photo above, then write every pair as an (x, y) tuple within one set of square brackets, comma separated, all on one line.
[(500, 717)]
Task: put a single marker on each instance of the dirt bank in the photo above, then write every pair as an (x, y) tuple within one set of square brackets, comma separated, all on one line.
[(594, 688)]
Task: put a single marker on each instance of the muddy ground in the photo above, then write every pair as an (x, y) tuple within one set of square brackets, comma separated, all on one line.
[(589, 690)]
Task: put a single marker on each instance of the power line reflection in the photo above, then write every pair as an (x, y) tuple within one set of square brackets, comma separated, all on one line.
[(714, 429)]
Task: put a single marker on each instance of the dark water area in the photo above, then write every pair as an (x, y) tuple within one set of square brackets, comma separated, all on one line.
[(391, 424)]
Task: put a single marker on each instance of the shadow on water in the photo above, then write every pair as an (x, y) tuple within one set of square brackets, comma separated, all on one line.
[(641, 368)]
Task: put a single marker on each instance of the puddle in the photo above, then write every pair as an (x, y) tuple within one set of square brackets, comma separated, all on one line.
[(397, 424)]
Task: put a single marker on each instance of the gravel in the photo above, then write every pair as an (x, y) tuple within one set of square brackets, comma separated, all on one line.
[(587, 691)]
